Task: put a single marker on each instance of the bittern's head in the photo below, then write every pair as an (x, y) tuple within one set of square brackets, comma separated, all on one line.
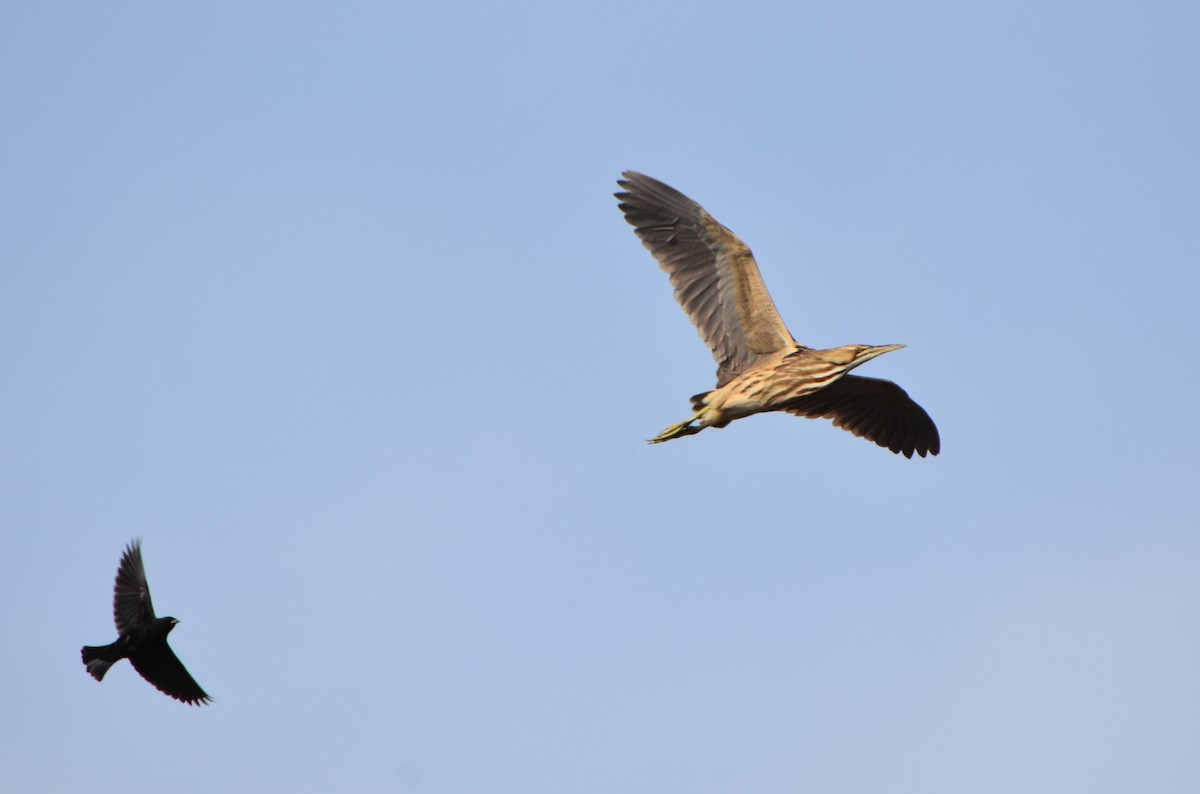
[(850, 356)]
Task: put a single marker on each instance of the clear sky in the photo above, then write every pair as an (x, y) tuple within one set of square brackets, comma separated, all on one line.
[(332, 305)]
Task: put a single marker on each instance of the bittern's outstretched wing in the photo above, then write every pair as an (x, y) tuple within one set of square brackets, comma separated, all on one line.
[(877, 410), (131, 595), (715, 276)]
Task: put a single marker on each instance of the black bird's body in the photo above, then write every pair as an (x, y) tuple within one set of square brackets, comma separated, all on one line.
[(143, 637)]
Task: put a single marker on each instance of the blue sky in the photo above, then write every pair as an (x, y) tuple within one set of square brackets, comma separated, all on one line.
[(333, 307)]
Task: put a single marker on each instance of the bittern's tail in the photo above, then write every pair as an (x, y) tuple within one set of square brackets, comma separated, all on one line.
[(99, 658), (700, 400)]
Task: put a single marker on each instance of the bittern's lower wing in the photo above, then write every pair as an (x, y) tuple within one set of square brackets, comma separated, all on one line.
[(131, 595), (877, 410), (159, 665), (715, 276)]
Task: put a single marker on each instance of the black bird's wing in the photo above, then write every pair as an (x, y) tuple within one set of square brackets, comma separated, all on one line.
[(715, 276), (159, 665), (877, 410), (131, 595)]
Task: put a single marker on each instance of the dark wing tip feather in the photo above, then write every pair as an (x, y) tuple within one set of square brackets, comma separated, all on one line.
[(161, 667), (874, 409), (131, 593)]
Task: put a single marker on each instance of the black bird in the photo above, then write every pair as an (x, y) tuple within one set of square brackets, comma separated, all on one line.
[(143, 639)]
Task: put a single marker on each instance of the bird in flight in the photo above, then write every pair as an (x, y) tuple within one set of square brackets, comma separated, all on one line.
[(760, 367), (143, 637)]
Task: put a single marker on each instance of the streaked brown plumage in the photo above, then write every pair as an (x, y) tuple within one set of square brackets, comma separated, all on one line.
[(760, 367)]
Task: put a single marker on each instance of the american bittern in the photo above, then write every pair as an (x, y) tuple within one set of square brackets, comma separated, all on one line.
[(760, 367)]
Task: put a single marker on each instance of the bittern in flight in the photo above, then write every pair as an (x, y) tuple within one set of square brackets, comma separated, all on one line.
[(760, 367)]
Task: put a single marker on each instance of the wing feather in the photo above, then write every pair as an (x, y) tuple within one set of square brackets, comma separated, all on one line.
[(715, 277), (874, 409), (131, 594), (159, 665)]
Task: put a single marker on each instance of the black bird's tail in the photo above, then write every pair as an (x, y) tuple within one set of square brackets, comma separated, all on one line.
[(99, 659)]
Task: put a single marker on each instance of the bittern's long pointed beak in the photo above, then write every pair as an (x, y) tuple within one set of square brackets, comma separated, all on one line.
[(876, 352)]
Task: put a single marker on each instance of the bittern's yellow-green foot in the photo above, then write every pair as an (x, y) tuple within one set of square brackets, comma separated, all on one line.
[(760, 367)]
